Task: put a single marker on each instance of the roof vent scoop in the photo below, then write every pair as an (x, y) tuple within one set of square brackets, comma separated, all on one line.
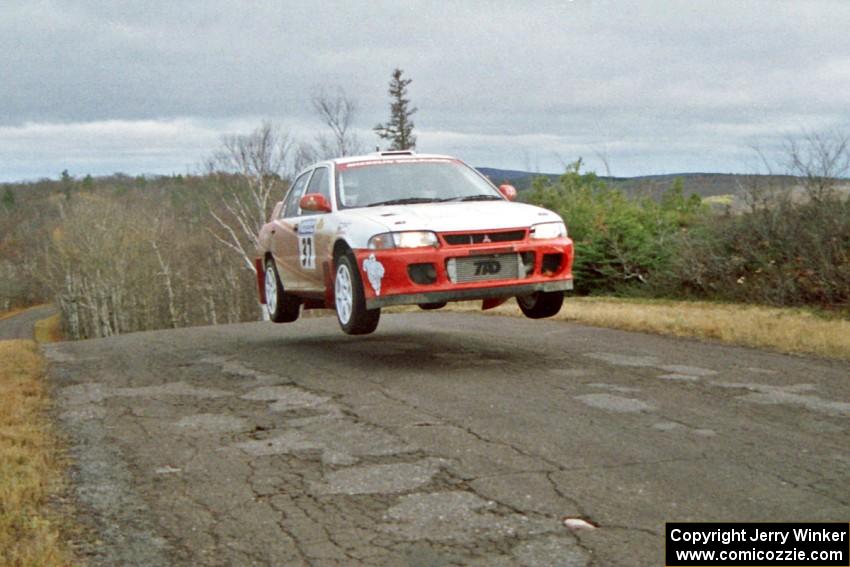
[(397, 153)]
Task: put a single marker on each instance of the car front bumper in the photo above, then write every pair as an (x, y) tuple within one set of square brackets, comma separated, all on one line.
[(541, 266)]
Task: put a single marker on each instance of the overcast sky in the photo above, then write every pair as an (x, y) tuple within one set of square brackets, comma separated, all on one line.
[(655, 86)]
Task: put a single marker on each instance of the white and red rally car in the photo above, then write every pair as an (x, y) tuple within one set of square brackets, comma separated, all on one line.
[(356, 234)]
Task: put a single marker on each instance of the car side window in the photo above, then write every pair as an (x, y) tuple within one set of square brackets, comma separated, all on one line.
[(320, 183), (293, 198)]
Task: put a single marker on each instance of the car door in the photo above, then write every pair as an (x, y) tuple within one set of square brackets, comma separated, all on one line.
[(310, 226), (284, 238)]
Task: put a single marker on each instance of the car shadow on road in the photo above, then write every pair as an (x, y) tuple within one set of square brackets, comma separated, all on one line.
[(437, 351)]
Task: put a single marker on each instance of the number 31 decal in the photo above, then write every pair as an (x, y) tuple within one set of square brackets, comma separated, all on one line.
[(307, 252)]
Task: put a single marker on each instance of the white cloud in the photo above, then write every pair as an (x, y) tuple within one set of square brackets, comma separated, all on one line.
[(650, 79), (104, 147)]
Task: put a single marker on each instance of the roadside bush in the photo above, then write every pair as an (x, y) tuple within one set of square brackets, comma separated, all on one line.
[(781, 253), (621, 243)]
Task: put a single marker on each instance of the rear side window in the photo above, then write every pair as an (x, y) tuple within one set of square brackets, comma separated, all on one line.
[(293, 198), (320, 183)]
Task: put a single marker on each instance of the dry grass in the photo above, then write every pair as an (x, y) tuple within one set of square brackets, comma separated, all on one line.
[(49, 330), (785, 330), (30, 470)]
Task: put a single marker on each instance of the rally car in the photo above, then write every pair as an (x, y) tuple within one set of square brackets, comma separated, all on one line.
[(356, 234)]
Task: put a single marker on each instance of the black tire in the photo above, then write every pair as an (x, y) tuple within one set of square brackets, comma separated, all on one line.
[(432, 306), (541, 304), (282, 307), (360, 321)]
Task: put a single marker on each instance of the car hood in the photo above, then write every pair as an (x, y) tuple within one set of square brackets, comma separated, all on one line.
[(452, 217)]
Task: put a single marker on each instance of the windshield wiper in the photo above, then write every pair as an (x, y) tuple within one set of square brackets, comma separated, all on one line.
[(478, 198), (404, 201)]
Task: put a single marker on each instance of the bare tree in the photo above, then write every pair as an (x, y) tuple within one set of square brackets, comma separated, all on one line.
[(166, 273), (96, 269), (820, 160), (602, 155), (248, 169), (305, 153), (761, 192), (337, 110)]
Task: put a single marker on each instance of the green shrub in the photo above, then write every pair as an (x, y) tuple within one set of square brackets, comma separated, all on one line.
[(620, 243), (782, 253)]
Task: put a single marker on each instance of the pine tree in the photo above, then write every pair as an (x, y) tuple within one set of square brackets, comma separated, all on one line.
[(9, 199), (88, 182), (67, 184), (399, 129)]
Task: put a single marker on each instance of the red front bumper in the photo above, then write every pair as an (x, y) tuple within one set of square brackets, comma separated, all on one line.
[(541, 266)]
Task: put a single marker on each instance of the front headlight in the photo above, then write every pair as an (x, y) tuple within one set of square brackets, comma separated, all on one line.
[(549, 230), (407, 239)]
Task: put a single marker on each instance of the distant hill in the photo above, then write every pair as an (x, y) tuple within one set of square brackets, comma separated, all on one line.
[(717, 185), (512, 175)]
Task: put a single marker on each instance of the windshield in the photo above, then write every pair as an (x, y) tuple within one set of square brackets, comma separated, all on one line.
[(398, 182)]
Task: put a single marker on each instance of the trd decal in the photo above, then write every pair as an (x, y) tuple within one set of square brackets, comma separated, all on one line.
[(487, 267)]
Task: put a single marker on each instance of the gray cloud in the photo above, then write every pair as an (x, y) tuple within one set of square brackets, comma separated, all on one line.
[(659, 86)]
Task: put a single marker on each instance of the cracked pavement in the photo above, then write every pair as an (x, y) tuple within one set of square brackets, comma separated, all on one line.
[(443, 439)]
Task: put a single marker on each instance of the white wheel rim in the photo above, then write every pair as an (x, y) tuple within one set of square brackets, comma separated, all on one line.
[(271, 290), (343, 294)]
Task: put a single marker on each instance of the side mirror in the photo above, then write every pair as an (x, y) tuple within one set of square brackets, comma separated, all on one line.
[(508, 191), (315, 202)]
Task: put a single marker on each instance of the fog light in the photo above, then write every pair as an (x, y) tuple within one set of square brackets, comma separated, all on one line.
[(551, 264), (423, 274)]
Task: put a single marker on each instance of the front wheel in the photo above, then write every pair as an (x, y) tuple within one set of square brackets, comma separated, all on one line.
[(350, 301), (282, 307), (541, 304)]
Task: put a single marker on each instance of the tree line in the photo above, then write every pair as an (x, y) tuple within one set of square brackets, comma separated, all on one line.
[(119, 254)]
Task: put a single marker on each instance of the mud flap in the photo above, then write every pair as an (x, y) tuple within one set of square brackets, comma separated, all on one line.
[(492, 302), (261, 279), (328, 274)]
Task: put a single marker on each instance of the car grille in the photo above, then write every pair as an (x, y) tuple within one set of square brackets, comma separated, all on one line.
[(459, 239), (485, 268)]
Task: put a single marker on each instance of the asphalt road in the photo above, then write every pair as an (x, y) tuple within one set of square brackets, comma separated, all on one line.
[(443, 439), (21, 325)]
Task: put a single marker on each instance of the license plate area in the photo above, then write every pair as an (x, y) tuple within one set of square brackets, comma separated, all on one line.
[(490, 267)]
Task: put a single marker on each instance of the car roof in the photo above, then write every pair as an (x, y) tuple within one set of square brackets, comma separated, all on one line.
[(390, 154), (394, 155)]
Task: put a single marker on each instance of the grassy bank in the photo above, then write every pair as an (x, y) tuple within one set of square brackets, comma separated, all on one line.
[(30, 471), (785, 330), (49, 330)]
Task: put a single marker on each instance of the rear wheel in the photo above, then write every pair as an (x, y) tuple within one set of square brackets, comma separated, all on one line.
[(540, 304), (282, 307), (350, 301)]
